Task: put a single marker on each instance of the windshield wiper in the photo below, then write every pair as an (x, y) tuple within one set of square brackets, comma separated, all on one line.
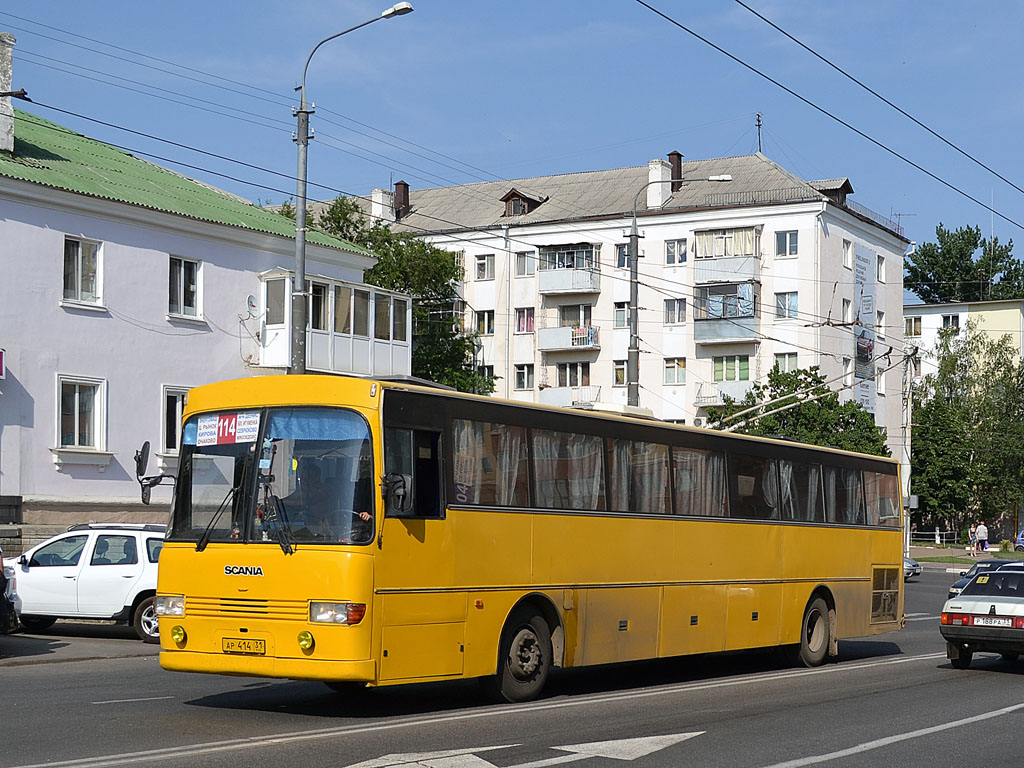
[(205, 538), (284, 526)]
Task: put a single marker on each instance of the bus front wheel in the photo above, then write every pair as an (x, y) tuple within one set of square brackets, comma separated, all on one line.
[(525, 657), (814, 634)]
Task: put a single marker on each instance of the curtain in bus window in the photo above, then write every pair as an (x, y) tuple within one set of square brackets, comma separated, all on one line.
[(871, 497), (700, 485), (490, 463), (569, 470), (847, 498), (467, 463), (756, 486), (586, 472), (513, 481), (788, 493), (888, 500), (810, 506), (619, 474), (831, 478), (650, 488)]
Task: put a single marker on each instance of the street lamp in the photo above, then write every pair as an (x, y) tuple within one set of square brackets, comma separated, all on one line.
[(302, 139), (633, 358)]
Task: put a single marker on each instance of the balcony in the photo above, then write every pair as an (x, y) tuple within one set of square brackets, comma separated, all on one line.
[(560, 281), (713, 394), (570, 397), (725, 330), (568, 338), (726, 269)]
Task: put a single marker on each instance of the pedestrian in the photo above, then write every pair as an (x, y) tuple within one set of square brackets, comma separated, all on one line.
[(982, 537), (972, 541)]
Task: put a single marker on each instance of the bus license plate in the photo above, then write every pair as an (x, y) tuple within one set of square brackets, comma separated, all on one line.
[(244, 645), (992, 621)]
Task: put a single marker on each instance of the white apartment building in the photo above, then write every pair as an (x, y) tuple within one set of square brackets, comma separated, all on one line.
[(735, 277)]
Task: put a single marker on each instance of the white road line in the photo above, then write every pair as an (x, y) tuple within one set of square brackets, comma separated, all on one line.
[(878, 743), (212, 747), (129, 701)]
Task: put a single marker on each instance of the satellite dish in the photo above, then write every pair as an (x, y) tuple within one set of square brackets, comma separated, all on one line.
[(250, 303)]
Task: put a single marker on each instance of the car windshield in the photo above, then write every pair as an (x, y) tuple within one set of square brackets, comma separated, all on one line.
[(997, 584), (286, 475)]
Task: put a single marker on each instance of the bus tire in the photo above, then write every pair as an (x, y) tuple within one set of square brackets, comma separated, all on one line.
[(524, 657), (814, 634), (37, 623)]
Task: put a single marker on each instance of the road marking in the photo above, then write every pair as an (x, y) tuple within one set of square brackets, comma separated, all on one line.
[(878, 743), (128, 701), (207, 748)]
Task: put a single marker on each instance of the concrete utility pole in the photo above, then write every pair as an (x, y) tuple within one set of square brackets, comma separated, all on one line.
[(302, 140), (633, 356)]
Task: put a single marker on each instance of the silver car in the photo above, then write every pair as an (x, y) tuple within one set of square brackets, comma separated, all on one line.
[(987, 616)]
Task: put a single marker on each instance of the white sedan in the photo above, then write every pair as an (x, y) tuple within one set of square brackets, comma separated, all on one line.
[(987, 616)]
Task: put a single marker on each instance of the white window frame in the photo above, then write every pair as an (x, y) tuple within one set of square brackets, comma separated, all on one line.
[(526, 313), (847, 310), (848, 254), (485, 370), (97, 454), (181, 395), (787, 305), (620, 373), (672, 312), (673, 249), (880, 267), (96, 300), (784, 359), (526, 263), (911, 327), (523, 376), (674, 373), (789, 240), (182, 312), (485, 260), (726, 359), (848, 371), (951, 321), (286, 284), (880, 323), (485, 319), (622, 255), (621, 311)]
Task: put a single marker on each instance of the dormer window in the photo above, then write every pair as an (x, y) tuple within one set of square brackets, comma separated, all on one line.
[(518, 204), (515, 207)]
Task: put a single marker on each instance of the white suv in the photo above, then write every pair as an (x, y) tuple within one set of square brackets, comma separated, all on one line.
[(91, 571)]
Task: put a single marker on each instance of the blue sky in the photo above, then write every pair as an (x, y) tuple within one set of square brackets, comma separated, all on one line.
[(462, 91)]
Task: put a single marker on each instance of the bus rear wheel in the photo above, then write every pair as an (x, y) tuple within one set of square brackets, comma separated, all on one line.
[(815, 634), (524, 657)]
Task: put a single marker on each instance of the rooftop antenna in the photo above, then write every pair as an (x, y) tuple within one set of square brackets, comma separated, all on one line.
[(758, 123)]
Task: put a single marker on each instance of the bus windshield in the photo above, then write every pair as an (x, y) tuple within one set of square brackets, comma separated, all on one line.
[(285, 475)]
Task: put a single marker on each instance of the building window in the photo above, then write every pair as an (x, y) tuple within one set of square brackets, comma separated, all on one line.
[(575, 315), (912, 326), (847, 311), (567, 257), (81, 413), (786, 361), (847, 254), (342, 309), (675, 370), (401, 321), (880, 381), (524, 376), (173, 405), (276, 300), (485, 322), (485, 266), (786, 243), (516, 206), (316, 305), (622, 256), (381, 317), (526, 263), (574, 374), (675, 311), (360, 313), (618, 373), (729, 300), (524, 320), (675, 251), (487, 371), (732, 368), (725, 243), (183, 291), (621, 314), (951, 322), (785, 305), (880, 268), (81, 270), (847, 371), (880, 324)]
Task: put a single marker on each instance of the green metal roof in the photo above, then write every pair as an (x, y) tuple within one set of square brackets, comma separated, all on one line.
[(49, 154)]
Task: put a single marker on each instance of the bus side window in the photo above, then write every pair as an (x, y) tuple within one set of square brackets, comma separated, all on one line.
[(415, 453)]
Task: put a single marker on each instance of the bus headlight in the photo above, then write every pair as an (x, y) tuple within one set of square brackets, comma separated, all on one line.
[(170, 605), (337, 613)]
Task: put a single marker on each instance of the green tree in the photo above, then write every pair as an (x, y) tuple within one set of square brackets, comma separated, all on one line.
[(963, 266), (816, 416)]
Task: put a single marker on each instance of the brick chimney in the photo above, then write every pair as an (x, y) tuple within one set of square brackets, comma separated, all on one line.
[(6, 77), (657, 174), (675, 161), (401, 199), (382, 206)]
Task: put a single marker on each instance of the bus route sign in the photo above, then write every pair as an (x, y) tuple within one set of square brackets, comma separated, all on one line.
[(224, 428)]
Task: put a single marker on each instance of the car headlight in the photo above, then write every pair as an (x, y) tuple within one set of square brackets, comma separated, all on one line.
[(170, 605), (337, 613)]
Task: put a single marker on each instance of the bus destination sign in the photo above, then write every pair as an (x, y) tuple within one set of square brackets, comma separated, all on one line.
[(223, 428)]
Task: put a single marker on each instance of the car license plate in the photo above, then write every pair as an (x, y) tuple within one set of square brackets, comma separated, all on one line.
[(244, 645), (992, 621)]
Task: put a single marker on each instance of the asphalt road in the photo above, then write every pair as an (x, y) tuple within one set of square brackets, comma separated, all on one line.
[(89, 695)]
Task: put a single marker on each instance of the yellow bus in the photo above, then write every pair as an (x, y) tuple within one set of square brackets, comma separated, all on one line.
[(373, 533)]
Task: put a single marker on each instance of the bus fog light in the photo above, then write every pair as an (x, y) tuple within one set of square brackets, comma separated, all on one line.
[(337, 613), (306, 640), (178, 634), (169, 605)]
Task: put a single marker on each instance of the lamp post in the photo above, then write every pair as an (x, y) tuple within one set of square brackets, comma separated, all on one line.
[(302, 140), (633, 358)]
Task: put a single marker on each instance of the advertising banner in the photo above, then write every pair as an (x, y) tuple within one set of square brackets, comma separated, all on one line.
[(864, 260)]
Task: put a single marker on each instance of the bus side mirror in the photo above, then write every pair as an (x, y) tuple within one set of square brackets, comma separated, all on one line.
[(142, 460), (146, 483), (398, 493)]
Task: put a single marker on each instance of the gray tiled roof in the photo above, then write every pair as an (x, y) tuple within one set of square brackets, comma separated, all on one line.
[(602, 194)]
